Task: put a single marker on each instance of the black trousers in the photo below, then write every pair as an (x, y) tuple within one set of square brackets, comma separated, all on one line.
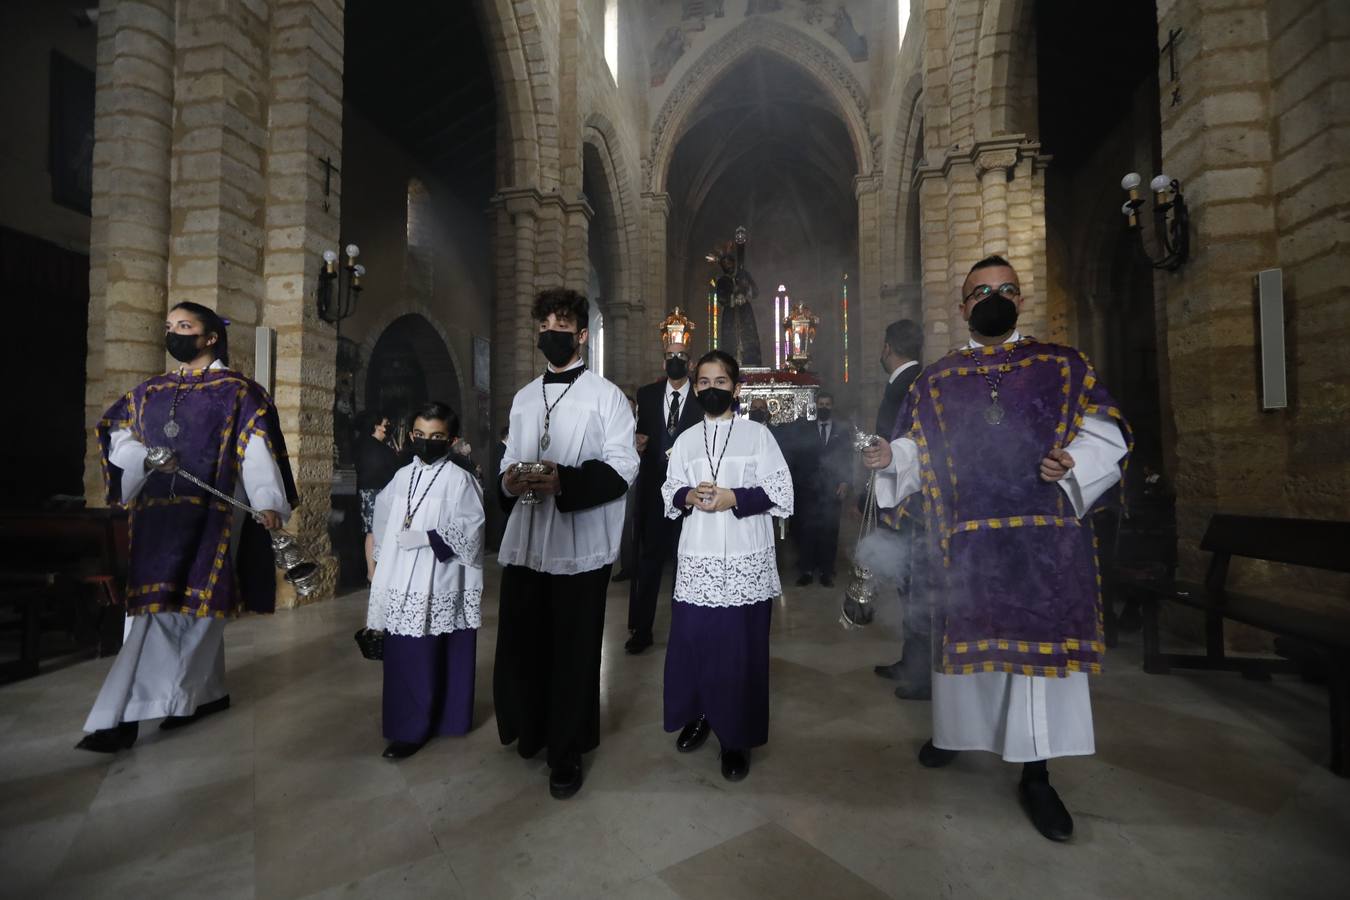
[(816, 523), (546, 678), (916, 601), (657, 539)]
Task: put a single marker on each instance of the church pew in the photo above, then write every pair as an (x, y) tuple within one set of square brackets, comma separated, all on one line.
[(1325, 634), (75, 557)]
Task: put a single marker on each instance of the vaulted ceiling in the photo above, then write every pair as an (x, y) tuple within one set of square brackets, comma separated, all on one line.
[(420, 72), (766, 149)]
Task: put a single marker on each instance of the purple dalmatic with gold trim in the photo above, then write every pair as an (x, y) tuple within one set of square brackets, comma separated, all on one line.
[(180, 535), (1017, 577)]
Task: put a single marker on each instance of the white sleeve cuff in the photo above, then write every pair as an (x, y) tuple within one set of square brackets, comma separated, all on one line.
[(128, 454)]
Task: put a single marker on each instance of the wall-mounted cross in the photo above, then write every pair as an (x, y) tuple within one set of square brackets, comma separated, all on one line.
[(328, 171), (1170, 48)]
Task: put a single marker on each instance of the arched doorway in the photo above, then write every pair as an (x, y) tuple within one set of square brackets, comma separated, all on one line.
[(409, 366), (766, 148)]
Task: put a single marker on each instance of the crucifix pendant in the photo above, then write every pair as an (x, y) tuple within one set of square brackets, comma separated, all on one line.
[(544, 441), (994, 413), (171, 429)]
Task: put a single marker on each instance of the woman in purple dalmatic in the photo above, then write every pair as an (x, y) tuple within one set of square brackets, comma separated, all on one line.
[(194, 559), (727, 478)]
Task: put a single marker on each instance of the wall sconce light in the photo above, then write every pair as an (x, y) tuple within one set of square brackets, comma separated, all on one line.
[(339, 286), (1170, 216)]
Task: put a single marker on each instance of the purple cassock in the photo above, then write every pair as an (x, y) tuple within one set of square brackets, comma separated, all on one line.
[(180, 535), (1015, 569), (717, 657), (428, 685)]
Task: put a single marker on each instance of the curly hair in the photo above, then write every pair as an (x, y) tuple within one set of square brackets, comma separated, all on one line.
[(563, 304)]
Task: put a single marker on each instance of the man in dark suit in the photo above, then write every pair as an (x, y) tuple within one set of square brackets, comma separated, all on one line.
[(824, 454), (900, 354), (665, 409)]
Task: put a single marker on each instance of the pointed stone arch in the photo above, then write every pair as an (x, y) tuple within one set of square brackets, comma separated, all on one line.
[(617, 238), (518, 115), (1005, 70), (764, 35)]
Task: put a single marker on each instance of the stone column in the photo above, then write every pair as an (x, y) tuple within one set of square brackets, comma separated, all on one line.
[(576, 219), (868, 316), (512, 328), (989, 198), (129, 231), (304, 125), (656, 212), (219, 179)]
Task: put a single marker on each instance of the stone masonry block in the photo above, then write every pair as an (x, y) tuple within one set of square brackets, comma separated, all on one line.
[(1232, 107), (1326, 193)]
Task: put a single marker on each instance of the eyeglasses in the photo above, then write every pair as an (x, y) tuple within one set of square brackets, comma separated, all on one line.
[(681, 355), (1008, 290)]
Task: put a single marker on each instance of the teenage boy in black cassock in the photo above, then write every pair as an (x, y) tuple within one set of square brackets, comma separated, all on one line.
[(557, 553)]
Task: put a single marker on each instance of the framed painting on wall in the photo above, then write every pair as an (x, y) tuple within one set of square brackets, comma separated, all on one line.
[(71, 133)]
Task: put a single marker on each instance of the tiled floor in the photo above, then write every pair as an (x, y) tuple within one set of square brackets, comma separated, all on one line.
[(1205, 785)]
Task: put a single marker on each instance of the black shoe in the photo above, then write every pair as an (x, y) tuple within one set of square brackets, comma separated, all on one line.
[(110, 740), (402, 749), (735, 764), (693, 735), (931, 757), (564, 781), (827, 581), (804, 580), (893, 671), (640, 641), (202, 711), (908, 690), (1046, 810)]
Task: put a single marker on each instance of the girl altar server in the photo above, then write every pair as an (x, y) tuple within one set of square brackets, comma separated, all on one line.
[(727, 478)]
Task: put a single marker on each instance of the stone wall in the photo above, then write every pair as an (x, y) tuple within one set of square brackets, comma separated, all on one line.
[(1259, 140), (210, 121)]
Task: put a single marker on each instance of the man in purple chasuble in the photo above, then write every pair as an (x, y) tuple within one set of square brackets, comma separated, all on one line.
[(194, 560), (1010, 442)]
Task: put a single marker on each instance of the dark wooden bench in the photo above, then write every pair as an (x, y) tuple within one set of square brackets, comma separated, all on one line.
[(75, 558), (1325, 634)]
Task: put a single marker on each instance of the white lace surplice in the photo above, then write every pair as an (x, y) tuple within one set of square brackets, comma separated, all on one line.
[(592, 420), (723, 560), (413, 593)]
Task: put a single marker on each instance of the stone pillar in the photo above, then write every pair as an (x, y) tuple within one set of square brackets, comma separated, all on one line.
[(656, 212), (129, 231), (512, 328), (576, 220), (869, 317), (989, 198), (219, 182), (304, 125)]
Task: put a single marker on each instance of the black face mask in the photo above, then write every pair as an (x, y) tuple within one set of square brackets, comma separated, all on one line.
[(182, 347), (558, 347), (429, 450), (883, 365), (993, 316), (823, 413), (676, 368), (715, 401), (759, 415)]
